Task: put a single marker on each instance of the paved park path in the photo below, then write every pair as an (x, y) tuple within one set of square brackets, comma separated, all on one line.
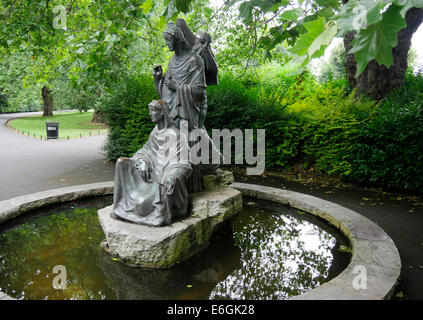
[(29, 165)]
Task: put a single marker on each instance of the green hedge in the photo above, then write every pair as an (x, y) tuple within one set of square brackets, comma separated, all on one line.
[(319, 126), (127, 116), (31, 106), (389, 146), (3, 103)]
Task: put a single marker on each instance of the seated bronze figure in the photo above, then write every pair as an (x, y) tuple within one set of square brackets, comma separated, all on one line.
[(151, 187)]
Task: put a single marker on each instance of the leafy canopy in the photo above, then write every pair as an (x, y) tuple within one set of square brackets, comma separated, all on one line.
[(103, 39), (311, 25)]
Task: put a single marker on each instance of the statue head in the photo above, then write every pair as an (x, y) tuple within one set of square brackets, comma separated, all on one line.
[(158, 110), (155, 111), (174, 36)]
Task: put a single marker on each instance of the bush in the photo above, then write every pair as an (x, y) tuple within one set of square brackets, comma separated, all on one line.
[(323, 127), (233, 104), (3, 103), (33, 105), (305, 123), (127, 115), (389, 148)]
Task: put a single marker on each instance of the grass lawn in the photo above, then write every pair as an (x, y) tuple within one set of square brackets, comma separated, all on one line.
[(72, 125)]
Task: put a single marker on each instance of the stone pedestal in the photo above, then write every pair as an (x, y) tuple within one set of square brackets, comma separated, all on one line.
[(217, 179), (162, 247)]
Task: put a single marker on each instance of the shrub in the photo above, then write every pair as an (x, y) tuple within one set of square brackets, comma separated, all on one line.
[(231, 105), (127, 115), (3, 102), (320, 126), (389, 148)]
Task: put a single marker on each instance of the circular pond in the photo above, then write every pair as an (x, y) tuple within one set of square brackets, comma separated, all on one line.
[(268, 251)]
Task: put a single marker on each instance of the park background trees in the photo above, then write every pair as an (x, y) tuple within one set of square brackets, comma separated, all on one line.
[(81, 48), (349, 126)]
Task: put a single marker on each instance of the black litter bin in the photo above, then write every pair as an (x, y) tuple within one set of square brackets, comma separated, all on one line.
[(52, 130)]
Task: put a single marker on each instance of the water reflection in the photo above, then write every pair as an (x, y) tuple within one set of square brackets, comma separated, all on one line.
[(201, 273), (262, 255), (29, 252), (281, 256)]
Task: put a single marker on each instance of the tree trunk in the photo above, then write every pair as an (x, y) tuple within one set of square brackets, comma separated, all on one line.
[(48, 101), (378, 81), (98, 116), (3, 101)]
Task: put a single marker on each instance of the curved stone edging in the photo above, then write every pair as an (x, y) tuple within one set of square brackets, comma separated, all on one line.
[(14, 207), (373, 249), (374, 252)]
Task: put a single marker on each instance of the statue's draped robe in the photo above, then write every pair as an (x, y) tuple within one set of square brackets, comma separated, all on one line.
[(189, 102), (165, 195), (189, 99)]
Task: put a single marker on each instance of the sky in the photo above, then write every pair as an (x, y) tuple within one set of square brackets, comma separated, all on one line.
[(417, 44)]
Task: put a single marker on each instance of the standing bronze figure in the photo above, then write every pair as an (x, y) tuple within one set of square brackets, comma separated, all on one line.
[(183, 88)]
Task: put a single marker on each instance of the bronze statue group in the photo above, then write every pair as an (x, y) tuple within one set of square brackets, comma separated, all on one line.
[(153, 186)]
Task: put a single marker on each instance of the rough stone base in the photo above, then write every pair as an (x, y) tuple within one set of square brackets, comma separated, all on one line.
[(217, 179), (162, 247)]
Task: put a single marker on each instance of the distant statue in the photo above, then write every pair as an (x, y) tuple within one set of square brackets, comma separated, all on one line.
[(183, 88), (151, 187)]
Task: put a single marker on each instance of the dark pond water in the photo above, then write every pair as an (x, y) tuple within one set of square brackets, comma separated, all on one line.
[(267, 252)]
